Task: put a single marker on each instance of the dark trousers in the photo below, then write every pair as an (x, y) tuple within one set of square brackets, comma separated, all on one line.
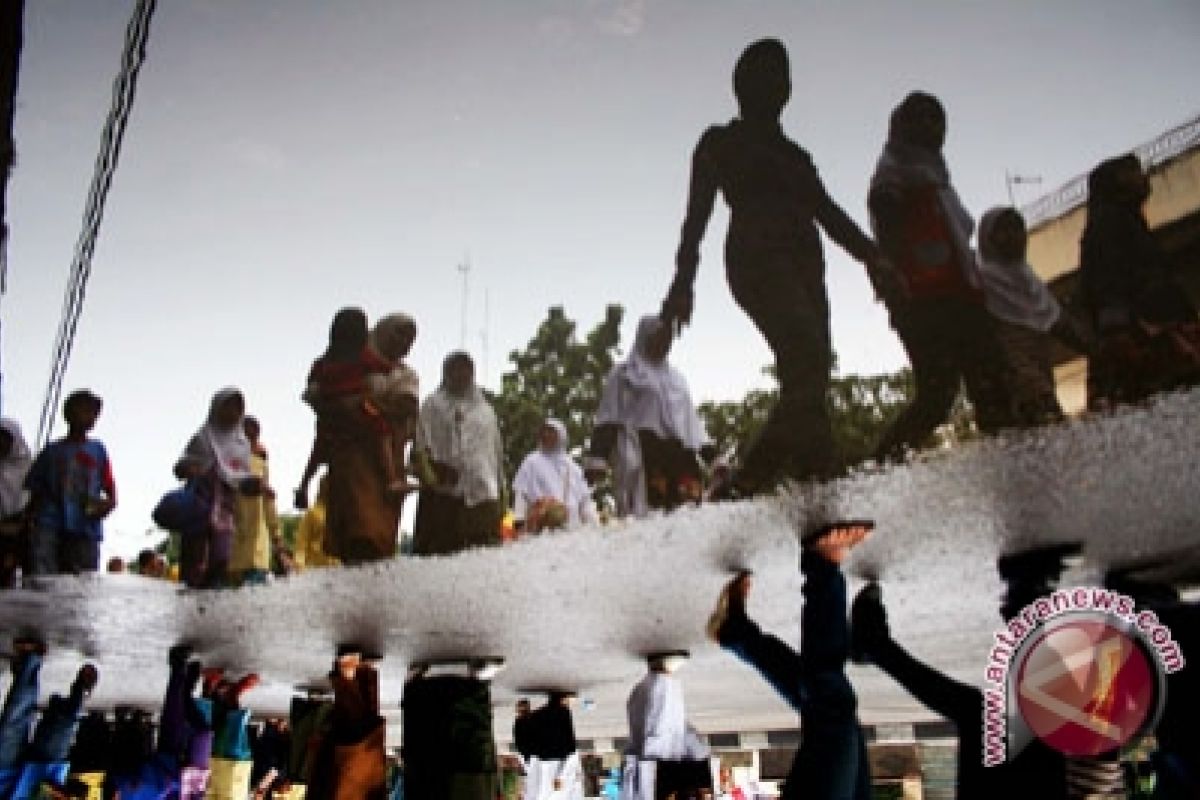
[(55, 730), (788, 305), (184, 732), (54, 552), (949, 341), (831, 763), (446, 525)]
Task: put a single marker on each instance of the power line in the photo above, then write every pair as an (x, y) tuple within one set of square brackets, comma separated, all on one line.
[(124, 89)]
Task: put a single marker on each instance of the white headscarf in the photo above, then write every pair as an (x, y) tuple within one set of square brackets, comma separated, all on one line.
[(642, 394), (553, 473), (13, 469), (225, 449), (652, 395), (461, 429), (1011, 289), (902, 165)]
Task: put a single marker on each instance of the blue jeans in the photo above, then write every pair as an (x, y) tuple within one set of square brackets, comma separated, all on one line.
[(56, 730), (19, 709), (831, 763)]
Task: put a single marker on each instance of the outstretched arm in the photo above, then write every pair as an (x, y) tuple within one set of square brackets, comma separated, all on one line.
[(702, 194)]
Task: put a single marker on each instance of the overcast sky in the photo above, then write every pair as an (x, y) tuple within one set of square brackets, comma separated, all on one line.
[(289, 157)]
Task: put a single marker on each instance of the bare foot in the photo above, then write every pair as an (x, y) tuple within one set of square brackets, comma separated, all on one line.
[(835, 542), (730, 603)]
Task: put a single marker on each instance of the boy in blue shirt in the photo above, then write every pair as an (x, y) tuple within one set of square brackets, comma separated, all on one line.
[(71, 492)]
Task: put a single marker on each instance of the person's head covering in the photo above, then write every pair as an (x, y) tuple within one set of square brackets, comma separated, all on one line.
[(904, 165), (1105, 184), (561, 442), (347, 335), (761, 80), (651, 395), (905, 119), (390, 332), (13, 468), (459, 357), (227, 450), (553, 474), (1011, 289)]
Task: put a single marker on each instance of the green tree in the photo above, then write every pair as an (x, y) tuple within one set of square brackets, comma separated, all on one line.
[(556, 375)]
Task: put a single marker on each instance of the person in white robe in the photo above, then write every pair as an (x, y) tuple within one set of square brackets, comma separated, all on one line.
[(658, 729), (549, 490), (648, 429)]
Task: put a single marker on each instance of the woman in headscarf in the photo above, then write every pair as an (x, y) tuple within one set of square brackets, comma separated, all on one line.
[(396, 394), (549, 490), (1145, 324), (938, 311), (1026, 315), (217, 464), (647, 428), (15, 459), (338, 389), (459, 457)]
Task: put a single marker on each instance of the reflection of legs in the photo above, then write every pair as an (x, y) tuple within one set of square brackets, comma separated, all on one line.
[(928, 344), (56, 729), (19, 709), (792, 315), (831, 761), (355, 704), (983, 365)]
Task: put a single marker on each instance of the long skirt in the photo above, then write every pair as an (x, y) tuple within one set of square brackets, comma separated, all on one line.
[(361, 517)]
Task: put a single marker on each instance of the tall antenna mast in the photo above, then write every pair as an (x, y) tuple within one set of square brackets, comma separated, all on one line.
[(465, 268)]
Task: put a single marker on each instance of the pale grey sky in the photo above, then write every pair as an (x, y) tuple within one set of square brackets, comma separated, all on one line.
[(288, 157)]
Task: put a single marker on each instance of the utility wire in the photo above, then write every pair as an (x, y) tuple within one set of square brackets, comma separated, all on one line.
[(124, 89)]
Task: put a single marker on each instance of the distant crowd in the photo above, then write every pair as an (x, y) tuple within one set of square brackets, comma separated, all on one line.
[(964, 301)]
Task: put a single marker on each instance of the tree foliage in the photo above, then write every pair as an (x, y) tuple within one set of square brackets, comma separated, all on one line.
[(861, 408), (556, 375)]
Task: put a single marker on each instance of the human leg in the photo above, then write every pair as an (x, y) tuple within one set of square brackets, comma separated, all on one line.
[(43, 551), (56, 729), (20, 705), (791, 311), (929, 346), (832, 759)]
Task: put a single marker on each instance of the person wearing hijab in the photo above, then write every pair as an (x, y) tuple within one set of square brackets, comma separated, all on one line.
[(549, 490), (773, 262), (459, 457), (1148, 338), (647, 428), (15, 459), (1025, 314), (339, 394), (938, 309), (217, 464)]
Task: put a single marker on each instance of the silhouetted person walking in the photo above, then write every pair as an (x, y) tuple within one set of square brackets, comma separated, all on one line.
[(939, 314), (773, 261), (1149, 340)]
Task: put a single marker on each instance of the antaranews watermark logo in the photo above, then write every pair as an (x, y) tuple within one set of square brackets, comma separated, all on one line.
[(1081, 669)]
